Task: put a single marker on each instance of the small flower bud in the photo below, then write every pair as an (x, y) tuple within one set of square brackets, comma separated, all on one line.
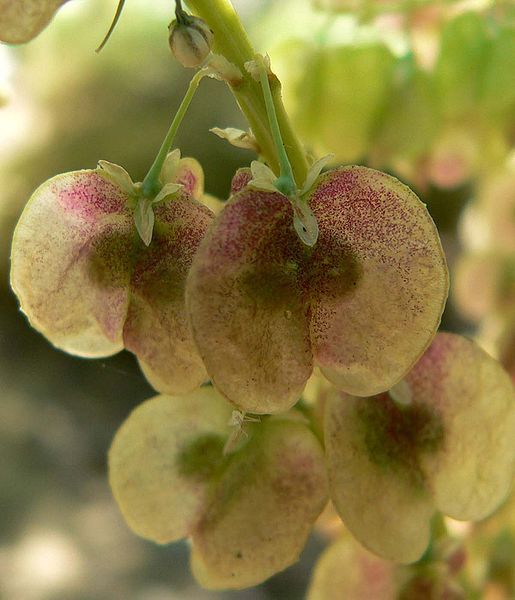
[(190, 41)]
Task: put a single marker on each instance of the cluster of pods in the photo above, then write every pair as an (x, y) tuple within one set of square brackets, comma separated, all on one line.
[(231, 313)]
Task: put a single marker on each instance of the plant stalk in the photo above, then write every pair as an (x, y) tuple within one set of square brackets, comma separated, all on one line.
[(231, 41), (150, 185)]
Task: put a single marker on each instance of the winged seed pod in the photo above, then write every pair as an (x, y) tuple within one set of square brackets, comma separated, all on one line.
[(451, 448), (22, 20), (88, 283), (363, 303), (347, 570), (247, 515)]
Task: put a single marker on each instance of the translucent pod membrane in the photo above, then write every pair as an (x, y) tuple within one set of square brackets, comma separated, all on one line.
[(88, 283), (451, 449), (22, 21), (70, 262), (162, 460), (247, 515), (157, 329), (363, 303)]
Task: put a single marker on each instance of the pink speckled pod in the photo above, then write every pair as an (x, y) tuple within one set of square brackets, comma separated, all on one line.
[(363, 304), (88, 283), (448, 446)]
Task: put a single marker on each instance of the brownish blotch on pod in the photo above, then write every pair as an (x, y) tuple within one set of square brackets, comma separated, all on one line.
[(444, 440)]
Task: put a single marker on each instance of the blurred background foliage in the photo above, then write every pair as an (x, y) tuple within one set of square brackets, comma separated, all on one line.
[(423, 90)]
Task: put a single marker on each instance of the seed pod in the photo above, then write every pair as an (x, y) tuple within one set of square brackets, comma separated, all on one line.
[(22, 21), (190, 41)]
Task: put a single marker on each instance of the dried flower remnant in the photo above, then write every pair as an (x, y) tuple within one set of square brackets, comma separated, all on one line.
[(88, 283), (190, 40), (452, 449), (265, 308), (247, 515), (22, 20)]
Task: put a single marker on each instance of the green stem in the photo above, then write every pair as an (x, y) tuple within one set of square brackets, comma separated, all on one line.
[(286, 180), (151, 186), (117, 15), (232, 42)]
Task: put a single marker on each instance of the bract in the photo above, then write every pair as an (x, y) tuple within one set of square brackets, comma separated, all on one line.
[(156, 328), (363, 304), (71, 260), (374, 483), (470, 475)]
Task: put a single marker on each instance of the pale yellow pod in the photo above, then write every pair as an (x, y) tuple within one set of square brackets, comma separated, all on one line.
[(22, 20), (374, 482), (89, 284), (71, 262), (346, 570), (363, 304), (470, 474), (163, 460)]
